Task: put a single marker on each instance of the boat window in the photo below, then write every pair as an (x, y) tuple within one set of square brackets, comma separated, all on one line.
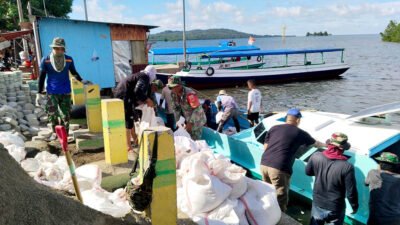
[(302, 150), (282, 119), (259, 129), (260, 132), (321, 150), (393, 148), (261, 139)]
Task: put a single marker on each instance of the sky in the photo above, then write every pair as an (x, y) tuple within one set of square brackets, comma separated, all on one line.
[(337, 17)]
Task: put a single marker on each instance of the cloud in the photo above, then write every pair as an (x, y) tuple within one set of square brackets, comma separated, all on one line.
[(198, 15), (336, 16), (380, 9), (105, 11), (287, 11)]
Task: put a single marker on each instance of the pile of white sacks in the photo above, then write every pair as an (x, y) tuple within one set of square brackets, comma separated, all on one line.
[(53, 171), (210, 189), (18, 113), (213, 191)]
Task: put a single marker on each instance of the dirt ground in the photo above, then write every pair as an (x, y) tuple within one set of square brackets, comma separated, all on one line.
[(24, 201)]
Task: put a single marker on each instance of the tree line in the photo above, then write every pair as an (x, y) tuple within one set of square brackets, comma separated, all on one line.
[(392, 32), (9, 19), (325, 33)]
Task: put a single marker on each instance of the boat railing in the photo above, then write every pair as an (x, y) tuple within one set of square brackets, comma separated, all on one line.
[(223, 58)]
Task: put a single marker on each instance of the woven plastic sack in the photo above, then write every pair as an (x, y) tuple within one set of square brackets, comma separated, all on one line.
[(210, 192), (261, 203), (224, 214), (218, 117)]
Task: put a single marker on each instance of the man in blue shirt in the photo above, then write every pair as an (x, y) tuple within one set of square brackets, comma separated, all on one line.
[(56, 67)]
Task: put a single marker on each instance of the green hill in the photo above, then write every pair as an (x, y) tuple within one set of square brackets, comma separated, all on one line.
[(201, 35)]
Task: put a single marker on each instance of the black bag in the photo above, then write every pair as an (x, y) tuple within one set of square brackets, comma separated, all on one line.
[(140, 197)]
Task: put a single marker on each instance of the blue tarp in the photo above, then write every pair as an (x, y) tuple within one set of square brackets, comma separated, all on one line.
[(201, 50), (271, 52)]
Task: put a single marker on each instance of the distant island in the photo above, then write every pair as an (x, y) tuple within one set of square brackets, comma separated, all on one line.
[(392, 32), (170, 35), (318, 34)]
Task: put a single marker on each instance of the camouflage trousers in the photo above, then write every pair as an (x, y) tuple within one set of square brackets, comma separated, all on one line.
[(58, 109), (196, 133)]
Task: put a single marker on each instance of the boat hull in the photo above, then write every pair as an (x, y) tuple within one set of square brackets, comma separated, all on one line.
[(238, 77)]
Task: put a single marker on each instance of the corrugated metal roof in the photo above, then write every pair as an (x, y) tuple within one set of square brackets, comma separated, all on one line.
[(13, 35), (84, 21)]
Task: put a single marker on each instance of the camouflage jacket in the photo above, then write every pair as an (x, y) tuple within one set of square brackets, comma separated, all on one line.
[(196, 116)]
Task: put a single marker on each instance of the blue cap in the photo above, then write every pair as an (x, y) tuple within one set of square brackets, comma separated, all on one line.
[(294, 112)]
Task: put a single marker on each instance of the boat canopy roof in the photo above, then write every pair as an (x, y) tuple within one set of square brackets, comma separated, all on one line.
[(376, 110), (271, 52), (202, 50)]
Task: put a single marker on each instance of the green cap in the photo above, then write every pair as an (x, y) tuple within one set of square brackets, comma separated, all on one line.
[(340, 140), (159, 84), (58, 43), (388, 157), (174, 81)]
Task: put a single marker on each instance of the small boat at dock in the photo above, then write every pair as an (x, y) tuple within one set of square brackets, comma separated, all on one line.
[(254, 66)]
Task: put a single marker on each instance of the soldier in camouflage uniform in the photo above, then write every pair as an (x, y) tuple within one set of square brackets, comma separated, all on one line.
[(186, 104), (56, 68)]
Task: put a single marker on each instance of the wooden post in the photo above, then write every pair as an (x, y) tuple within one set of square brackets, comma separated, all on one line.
[(114, 132), (93, 108)]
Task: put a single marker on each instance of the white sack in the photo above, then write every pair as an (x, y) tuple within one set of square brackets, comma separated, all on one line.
[(30, 165), (17, 152), (98, 199), (45, 156), (204, 193), (183, 148), (232, 175), (222, 215), (181, 132), (89, 173), (261, 203), (218, 117), (7, 138)]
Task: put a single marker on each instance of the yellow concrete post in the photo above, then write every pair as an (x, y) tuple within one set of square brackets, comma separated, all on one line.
[(77, 95), (93, 108), (163, 208), (114, 132)]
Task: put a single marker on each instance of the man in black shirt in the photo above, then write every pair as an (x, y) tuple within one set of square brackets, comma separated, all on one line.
[(384, 183), (281, 144), (334, 180), (135, 90)]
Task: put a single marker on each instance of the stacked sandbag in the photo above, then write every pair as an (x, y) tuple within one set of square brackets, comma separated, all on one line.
[(223, 194), (18, 114), (14, 144)]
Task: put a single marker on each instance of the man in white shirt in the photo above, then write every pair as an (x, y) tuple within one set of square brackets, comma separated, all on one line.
[(253, 103), (169, 111)]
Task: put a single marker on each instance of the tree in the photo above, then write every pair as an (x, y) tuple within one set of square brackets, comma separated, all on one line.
[(325, 33), (308, 34), (392, 32), (9, 19)]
